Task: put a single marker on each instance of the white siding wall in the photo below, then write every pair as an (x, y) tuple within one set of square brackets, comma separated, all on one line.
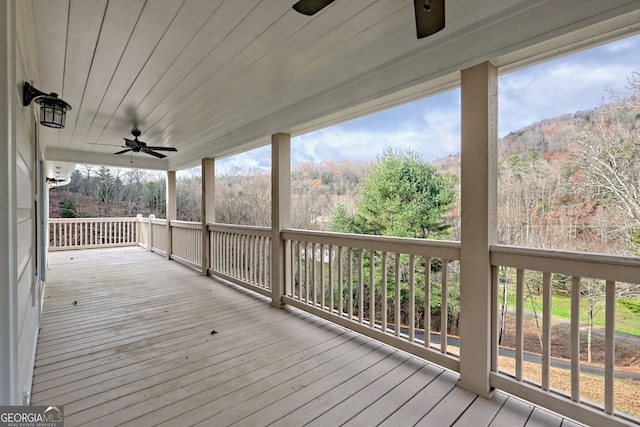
[(8, 330), (29, 285)]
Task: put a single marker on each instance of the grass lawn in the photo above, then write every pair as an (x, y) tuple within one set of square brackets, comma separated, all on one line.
[(627, 316)]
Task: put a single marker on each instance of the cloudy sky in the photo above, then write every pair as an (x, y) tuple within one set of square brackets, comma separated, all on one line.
[(431, 126)]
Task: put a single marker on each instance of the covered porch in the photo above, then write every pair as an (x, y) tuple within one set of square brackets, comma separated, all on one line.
[(330, 276), (126, 339), (212, 79)]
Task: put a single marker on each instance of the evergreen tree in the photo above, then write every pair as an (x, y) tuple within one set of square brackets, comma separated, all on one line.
[(68, 209), (106, 185), (403, 196)]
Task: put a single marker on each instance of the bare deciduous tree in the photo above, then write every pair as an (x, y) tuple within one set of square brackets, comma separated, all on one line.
[(606, 158)]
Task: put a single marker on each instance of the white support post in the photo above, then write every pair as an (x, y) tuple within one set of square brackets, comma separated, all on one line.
[(138, 229), (151, 218), (9, 98), (171, 207), (208, 209), (478, 223), (280, 211)]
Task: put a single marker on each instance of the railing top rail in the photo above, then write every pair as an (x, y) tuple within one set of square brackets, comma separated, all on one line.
[(72, 220), (580, 264), (186, 224), (158, 221), (438, 248), (240, 229)]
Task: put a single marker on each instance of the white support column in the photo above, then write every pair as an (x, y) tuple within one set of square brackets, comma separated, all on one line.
[(208, 209), (151, 218), (138, 229), (478, 222), (171, 207), (280, 211), (9, 98)]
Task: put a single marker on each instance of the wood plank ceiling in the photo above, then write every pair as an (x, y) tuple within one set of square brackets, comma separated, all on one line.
[(215, 77)]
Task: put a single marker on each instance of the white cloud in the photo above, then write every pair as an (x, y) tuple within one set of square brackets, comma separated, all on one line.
[(248, 161), (565, 85), (431, 127)]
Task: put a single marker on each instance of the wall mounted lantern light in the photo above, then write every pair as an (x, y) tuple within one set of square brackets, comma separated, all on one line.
[(52, 109)]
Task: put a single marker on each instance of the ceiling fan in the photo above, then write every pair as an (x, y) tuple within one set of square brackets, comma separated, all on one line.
[(137, 146), (429, 13)]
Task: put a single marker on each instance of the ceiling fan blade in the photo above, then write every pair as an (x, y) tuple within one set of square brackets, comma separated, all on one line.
[(130, 142), (162, 148), (429, 22), (153, 153), (124, 151), (311, 7)]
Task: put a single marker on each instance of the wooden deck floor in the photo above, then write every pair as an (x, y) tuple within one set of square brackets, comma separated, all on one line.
[(126, 340)]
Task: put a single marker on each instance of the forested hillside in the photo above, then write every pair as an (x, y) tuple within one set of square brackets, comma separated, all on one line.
[(570, 182), (241, 198)]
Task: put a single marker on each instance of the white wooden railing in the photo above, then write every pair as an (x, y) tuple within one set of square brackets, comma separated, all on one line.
[(158, 235), (81, 233), (186, 243), (575, 269), (382, 287), (152, 234), (241, 254), (143, 231), (186, 239), (342, 277)]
